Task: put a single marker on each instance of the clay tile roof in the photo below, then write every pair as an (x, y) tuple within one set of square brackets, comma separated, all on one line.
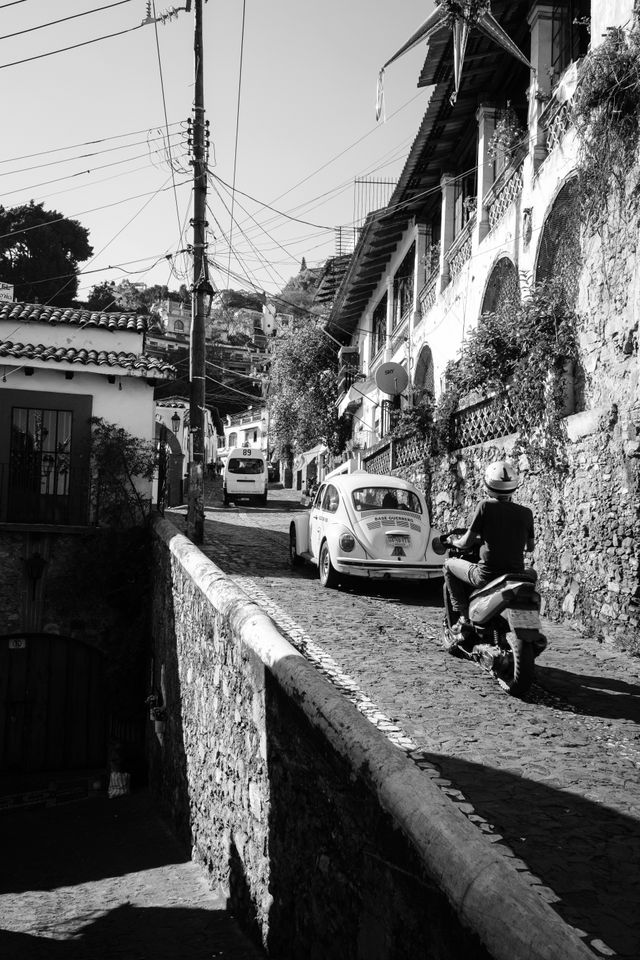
[(74, 316), (150, 366)]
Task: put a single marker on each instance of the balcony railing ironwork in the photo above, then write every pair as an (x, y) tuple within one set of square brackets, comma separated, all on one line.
[(427, 296), (393, 452), (460, 250), (485, 419), (504, 192), (347, 376)]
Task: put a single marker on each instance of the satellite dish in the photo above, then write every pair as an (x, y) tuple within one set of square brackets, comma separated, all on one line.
[(391, 378)]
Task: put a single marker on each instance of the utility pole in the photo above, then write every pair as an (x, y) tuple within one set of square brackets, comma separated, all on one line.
[(201, 288)]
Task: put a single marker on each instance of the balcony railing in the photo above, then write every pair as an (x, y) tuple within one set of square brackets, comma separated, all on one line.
[(347, 376), (556, 120), (460, 250), (504, 192), (427, 296), (486, 419)]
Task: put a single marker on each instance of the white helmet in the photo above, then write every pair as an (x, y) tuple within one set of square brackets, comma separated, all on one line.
[(501, 478)]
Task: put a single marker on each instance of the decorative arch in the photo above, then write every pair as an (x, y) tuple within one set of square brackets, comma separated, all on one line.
[(164, 435), (503, 286), (423, 378), (559, 251), (170, 467)]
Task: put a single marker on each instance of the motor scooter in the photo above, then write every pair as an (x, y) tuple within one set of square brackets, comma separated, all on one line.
[(505, 635)]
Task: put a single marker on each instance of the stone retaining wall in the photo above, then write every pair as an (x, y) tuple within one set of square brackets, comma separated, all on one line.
[(327, 840), (587, 519)]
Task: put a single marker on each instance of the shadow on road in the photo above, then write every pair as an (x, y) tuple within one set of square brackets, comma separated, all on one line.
[(569, 841), (592, 696), (134, 933), (50, 859)]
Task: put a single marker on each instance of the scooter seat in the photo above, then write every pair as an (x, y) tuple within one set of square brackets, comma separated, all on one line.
[(523, 576)]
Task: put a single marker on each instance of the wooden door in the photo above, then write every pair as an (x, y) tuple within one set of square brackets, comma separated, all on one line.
[(52, 704)]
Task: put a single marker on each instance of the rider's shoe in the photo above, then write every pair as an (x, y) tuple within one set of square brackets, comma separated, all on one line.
[(461, 638), (464, 630)]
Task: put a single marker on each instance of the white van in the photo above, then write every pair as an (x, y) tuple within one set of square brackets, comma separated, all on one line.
[(245, 475)]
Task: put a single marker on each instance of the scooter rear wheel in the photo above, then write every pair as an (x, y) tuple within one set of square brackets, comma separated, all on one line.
[(518, 675)]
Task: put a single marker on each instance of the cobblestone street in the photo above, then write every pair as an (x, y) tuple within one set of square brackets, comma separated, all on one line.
[(102, 879), (553, 780)]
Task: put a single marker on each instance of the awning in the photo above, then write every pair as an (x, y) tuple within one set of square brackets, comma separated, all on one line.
[(363, 390)]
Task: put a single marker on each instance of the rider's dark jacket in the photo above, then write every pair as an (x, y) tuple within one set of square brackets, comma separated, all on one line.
[(504, 528)]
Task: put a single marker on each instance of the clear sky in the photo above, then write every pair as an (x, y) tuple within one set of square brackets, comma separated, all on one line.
[(306, 131)]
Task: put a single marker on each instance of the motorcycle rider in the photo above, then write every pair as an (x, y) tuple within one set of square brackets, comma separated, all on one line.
[(504, 530)]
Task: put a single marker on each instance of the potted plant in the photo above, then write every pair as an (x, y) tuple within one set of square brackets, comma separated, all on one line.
[(507, 136)]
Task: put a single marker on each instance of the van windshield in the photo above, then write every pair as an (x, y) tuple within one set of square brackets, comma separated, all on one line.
[(245, 465)]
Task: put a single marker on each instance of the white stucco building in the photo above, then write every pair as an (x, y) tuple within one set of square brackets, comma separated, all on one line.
[(469, 219), (58, 368)]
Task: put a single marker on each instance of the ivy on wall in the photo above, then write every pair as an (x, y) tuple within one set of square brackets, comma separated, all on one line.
[(522, 352), (606, 113)]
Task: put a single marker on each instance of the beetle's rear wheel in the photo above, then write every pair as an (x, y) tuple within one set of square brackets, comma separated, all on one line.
[(328, 574), (294, 557)]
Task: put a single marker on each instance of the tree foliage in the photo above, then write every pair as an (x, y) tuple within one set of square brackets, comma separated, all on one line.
[(125, 296), (303, 387), (118, 460), (40, 251)]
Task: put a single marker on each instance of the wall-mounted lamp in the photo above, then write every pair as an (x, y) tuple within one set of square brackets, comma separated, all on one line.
[(175, 422)]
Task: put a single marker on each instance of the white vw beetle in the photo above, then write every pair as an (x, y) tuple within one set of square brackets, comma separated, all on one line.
[(367, 525)]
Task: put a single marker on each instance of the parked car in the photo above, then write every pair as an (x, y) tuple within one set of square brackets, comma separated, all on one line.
[(367, 525)]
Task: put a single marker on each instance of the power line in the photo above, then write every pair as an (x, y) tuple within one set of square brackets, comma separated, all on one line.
[(85, 156), (319, 226), (273, 239), (86, 143), (73, 46), (78, 173), (166, 121), (53, 23), (13, 3), (235, 148), (104, 206)]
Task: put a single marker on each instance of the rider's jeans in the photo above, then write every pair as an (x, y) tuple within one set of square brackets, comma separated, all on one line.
[(457, 574)]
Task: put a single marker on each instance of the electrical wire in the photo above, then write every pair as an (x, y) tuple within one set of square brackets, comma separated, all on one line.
[(73, 46), (275, 279), (71, 176), (87, 143), (273, 239), (104, 206), (13, 3), (166, 120), (86, 156), (235, 148), (53, 23), (319, 226), (116, 235)]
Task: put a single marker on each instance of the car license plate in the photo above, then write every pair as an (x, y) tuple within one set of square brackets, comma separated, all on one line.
[(398, 538), (529, 619)]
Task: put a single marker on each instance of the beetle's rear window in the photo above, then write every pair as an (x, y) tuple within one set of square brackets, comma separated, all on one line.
[(385, 498)]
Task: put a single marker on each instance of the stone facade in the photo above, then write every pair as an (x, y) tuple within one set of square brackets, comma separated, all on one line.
[(325, 838), (587, 523)]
